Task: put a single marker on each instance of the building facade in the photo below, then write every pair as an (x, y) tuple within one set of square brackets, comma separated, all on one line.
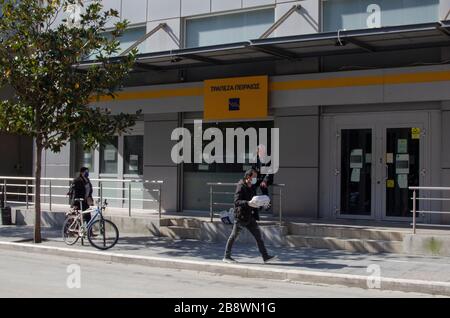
[(359, 90)]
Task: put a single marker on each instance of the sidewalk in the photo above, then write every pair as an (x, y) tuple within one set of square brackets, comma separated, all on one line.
[(398, 272)]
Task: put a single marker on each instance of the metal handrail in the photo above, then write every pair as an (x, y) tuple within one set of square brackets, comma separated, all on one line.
[(157, 183), (415, 198), (228, 184)]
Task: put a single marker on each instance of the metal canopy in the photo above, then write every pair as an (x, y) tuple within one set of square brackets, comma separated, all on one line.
[(302, 46)]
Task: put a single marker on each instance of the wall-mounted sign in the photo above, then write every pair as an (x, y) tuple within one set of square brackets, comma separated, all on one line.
[(415, 133), (390, 184), (236, 98)]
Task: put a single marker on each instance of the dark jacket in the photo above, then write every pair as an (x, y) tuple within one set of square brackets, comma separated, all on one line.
[(78, 191), (242, 211), (267, 178)]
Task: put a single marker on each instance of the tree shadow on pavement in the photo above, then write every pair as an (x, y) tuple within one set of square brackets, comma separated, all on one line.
[(245, 253), (26, 233)]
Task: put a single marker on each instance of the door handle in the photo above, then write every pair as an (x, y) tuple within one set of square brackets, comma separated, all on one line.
[(386, 169)]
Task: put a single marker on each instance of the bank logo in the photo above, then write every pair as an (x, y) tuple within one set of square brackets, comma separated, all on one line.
[(234, 104)]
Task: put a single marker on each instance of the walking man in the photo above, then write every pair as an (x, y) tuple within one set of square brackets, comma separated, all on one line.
[(246, 216)]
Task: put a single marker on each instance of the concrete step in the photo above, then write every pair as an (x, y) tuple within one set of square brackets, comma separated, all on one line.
[(180, 232), (348, 244), (181, 222), (346, 232)]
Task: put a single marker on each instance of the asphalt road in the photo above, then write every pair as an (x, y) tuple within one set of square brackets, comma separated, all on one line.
[(34, 275)]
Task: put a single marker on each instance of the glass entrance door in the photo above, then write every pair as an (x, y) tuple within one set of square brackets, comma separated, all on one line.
[(402, 169), (356, 172), (376, 160)]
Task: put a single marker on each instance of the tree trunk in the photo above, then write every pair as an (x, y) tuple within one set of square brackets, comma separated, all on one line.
[(37, 192)]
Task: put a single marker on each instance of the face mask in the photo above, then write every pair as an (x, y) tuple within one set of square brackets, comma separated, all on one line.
[(254, 181), (86, 174)]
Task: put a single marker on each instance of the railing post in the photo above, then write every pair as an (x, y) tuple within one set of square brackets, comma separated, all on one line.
[(26, 193), (159, 200), (414, 211), (4, 191), (281, 208), (50, 194), (101, 192), (211, 202), (129, 199)]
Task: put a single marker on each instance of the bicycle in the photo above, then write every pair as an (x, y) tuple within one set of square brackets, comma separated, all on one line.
[(101, 233)]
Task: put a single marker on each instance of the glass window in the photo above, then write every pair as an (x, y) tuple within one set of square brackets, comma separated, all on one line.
[(128, 38), (108, 157), (228, 28), (235, 166), (362, 14), (84, 157), (134, 155)]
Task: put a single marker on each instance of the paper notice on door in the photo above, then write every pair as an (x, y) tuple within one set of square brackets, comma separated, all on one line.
[(356, 159), (134, 163), (356, 175), (402, 146), (415, 133), (389, 158), (402, 180), (390, 183)]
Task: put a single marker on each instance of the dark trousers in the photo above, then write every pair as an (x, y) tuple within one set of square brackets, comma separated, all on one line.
[(84, 206), (253, 228)]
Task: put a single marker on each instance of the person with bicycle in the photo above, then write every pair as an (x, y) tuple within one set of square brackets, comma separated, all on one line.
[(81, 188)]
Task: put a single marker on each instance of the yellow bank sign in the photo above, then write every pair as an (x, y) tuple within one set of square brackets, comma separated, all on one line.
[(236, 98)]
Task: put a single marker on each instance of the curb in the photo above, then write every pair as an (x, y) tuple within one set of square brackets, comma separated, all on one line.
[(262, 272)]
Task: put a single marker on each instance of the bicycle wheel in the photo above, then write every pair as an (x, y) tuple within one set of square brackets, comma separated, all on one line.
[(71, 230), (103, 234)]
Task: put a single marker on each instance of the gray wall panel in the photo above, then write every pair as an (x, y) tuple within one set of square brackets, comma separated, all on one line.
[(446, 140), (299, 141), (444, 9), (304, 21), (300, 194), (169, 192), (158, 144), (159, 10), (135, 11)]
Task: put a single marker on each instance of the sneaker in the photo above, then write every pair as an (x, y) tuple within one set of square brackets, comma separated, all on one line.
[(269, 259), (229, 260)]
